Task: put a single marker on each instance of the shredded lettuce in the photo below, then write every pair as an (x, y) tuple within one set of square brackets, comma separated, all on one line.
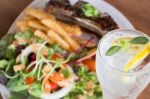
[(27, 35), (10, 64), (22, 95), (10, 53), (4, 43), (36, 89), (17, 84)]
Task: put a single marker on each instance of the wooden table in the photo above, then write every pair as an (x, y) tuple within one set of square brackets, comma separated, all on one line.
[(136, 11)]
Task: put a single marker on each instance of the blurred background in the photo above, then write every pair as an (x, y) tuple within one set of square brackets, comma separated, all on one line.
[(137, 11)]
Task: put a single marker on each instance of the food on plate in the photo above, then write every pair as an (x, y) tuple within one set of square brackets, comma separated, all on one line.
[(23, 25), (83, 14), (37, 67), (52, 52), (38, 13), (58, 39), (71, 29), (51, 24), (29, 73), (28, 17), (37, 25), (57, 28), (42, 35)]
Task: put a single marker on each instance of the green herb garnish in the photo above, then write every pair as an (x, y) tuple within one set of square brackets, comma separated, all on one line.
[(125, 44), (112, 50), (90, 11), (139, 40)]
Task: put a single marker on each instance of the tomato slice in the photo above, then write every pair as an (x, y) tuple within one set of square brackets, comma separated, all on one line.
[(55, 56), (90, 64), (29, 80), (56, 77), (54, 86)]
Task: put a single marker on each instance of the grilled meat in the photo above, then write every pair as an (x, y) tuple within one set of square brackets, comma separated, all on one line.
[(64, 11)]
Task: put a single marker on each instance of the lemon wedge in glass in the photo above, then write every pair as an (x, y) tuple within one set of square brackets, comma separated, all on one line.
[(138, 58)]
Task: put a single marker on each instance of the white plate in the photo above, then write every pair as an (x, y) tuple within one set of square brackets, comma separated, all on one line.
[(101, 5)]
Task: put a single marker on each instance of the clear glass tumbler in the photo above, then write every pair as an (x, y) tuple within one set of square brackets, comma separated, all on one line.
[(115, 83)]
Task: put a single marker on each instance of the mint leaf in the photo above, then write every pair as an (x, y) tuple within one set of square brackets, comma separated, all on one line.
[(139, 40), (112, 50)]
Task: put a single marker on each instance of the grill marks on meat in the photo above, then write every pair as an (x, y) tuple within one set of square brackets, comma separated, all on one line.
[(63, 11), (107, 23)]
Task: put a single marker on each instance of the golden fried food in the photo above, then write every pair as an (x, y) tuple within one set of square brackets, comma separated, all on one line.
[(55, 26), (22, 26), (37, 25), (57, 39), (28, 17), (71, 29), (42, 35), (38, 13), (57, 32)]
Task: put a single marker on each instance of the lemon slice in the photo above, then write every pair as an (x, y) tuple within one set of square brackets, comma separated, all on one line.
[(137, 58)]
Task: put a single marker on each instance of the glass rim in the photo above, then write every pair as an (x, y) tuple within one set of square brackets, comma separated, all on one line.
[(108, 65)]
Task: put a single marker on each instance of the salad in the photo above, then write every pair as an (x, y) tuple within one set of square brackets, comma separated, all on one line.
[(51, 55), (33, 67)]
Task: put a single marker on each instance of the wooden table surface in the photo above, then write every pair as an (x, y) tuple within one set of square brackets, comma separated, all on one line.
[(137, 11)]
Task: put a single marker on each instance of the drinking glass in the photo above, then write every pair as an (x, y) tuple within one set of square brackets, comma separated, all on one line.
[(115, 83)]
